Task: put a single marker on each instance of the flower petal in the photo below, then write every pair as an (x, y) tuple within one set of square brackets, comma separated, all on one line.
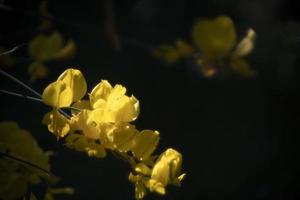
[(56, 123), (123, 109), (246, 45), (144, 144), (214, 37), (58, 94), (76, 81), (100, 92)]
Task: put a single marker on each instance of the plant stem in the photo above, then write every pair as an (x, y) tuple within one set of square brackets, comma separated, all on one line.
[(28, 88), (23, 161), (21, 95), (20, 83), (12, 50), (33, 98)]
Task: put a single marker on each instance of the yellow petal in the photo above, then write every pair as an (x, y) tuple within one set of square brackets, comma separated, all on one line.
[(94, 149), (161, 172), (174, 158), (145, 143), (58, 94), (37, 70), (81, 143), (134, 178), (44, 47), (167, 53), (82, 105), (56, 123), (246, 45), (180, 179), (76, 141), (242, 67), (215, 37), (100, 92), (76, 81), (172, 173), (140, 190), (184, 48), (121, 136), (157, 187), (67, 52), (142, 168), (87, 124), (123, 109), (115, 94)]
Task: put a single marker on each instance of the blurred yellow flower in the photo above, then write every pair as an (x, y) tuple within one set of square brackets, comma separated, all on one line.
[(171, 54), (215, 49), (215, 38)]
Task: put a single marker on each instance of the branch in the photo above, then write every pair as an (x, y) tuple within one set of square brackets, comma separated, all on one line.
[(23, 161)]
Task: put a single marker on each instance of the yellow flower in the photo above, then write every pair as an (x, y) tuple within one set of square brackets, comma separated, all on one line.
[(166, 170), (58, 94), (57, 123), (103, 122), (119, 137), (81, 143), (43, 47), (216, 37), (69, 87), (173, 53), (115, 105), (85, 123), (76, 81)]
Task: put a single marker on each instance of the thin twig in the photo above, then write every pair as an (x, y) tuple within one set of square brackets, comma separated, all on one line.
[(12, 50), (23, 161), (20, 83), (21, 95), (33, 98), (29, 88), (110, 25)]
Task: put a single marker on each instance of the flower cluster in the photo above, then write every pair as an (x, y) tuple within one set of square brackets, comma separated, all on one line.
[(103, 122), (215, 48)]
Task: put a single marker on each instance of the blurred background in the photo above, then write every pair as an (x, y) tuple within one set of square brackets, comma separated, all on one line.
[(237, 135)]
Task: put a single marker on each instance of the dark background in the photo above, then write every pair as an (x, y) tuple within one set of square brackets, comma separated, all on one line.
[(238, 136)]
